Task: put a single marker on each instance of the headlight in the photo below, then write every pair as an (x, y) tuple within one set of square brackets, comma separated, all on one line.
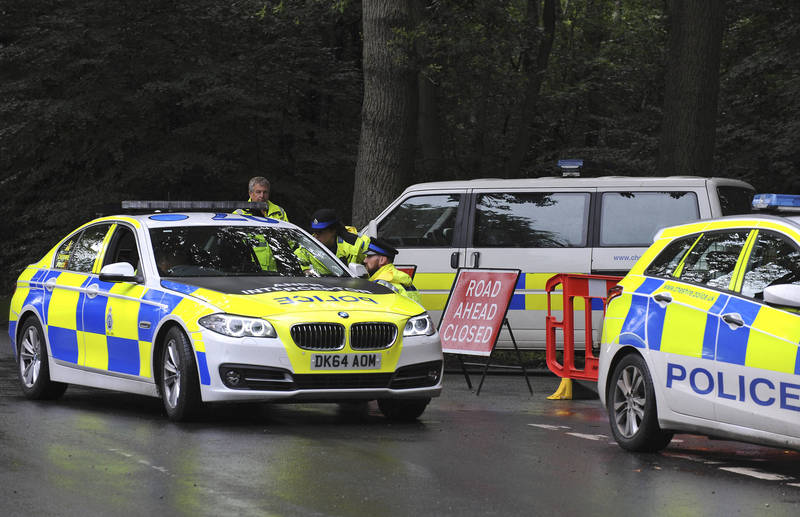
[(237, 326), (421, 325)]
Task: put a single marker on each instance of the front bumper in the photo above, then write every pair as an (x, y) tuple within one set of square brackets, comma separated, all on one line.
[(265, 372)]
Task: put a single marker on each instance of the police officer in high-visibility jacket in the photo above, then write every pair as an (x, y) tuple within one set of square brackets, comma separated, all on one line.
[(379, 264), (259, 190), (342, 240)]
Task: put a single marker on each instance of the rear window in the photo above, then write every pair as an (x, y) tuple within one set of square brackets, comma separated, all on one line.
[(735, 200), (633, 218), (531, 220)]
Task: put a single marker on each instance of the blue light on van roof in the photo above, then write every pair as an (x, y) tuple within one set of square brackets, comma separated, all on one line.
[(570, 167), (765, 201)]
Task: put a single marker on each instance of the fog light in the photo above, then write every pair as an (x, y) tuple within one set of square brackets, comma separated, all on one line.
[(232, 378), (433, 374)]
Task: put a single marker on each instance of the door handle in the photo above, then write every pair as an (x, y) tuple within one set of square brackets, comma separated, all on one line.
[(50, 284), (454, 260), (92, 290), (663, 298), (733, 319), (476, 256)]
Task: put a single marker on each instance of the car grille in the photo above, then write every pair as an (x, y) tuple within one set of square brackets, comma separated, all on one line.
[(372, 336), (330, 336), (319, 336)]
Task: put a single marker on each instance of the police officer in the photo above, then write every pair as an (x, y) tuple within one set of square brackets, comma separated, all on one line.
[(259, 192), (380, 266), (342, 240)]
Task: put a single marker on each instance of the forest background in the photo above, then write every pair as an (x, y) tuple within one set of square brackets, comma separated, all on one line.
[(102, 101)]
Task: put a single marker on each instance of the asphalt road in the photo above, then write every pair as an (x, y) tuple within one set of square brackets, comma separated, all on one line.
[(502, 453)]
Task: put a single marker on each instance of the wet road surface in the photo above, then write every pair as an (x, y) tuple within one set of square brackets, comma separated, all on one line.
[(503, 453)]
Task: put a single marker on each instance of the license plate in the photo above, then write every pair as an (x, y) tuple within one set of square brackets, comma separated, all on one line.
[(345, 361)]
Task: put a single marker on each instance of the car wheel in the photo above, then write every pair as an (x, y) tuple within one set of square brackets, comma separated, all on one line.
[(179, 385), (33, 364), (632, 408), (403, 410)]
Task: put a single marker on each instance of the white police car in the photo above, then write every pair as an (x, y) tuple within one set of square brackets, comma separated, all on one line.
[(702, 335), (200, 307)]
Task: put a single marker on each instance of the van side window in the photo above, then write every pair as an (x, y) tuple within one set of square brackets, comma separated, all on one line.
[(653, 211), (711, 261), (775, 260), (735, 200), (422, 221), (531, 220)]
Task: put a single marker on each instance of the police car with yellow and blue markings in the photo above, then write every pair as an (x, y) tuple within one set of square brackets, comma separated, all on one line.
[(702, 334), (205, 307)]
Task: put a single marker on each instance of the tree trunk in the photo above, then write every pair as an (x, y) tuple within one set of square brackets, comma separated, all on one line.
[(692, 87), (389, 111), (534, 63)]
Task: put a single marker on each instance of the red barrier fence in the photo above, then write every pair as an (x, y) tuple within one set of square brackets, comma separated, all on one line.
[(593, 290)]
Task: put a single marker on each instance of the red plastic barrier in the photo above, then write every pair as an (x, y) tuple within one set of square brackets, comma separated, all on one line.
[(588, 287)]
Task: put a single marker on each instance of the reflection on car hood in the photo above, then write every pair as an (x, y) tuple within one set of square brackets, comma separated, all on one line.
[(261, 296)]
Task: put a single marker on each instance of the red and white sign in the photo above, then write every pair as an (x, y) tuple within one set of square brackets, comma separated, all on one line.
[(407, 269), (476, 309)]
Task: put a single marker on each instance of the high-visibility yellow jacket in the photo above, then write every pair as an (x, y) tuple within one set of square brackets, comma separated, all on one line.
[(397, 280), (273, 211)]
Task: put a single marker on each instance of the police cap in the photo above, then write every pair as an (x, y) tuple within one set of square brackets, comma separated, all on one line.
[(324, 218), (379, 246)]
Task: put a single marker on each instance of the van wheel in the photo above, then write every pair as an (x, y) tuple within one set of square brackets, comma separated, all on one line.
[(179, 384), (632, 408), (33, 364), (403, 410)]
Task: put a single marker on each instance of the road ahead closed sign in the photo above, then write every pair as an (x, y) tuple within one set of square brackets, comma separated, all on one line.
[(476, 309)]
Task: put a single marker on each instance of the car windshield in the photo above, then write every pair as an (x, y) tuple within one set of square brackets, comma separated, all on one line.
[(240, 251)]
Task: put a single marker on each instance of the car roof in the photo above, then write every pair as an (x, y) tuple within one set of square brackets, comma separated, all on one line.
[(733, 221), (563, 182)]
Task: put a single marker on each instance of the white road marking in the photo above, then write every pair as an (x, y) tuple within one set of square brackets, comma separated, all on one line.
[(142, 461), (550, 427), (756, 473), (594, 437), (794, 484)]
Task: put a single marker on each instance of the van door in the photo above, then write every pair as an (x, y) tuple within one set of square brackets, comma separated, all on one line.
[(539, 231), (630, 217), (427, 229)]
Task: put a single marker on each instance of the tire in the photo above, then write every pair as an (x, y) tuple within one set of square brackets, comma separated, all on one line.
[(403, 410), (33, 364), (178, 383), (632, 410)]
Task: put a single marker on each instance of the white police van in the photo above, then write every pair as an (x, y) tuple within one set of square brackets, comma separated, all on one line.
[(542, 226)]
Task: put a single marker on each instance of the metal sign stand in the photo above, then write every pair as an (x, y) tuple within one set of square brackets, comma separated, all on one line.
[(489, 362)]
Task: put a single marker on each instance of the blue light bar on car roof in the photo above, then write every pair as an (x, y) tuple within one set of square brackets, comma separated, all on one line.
[(775, 201)]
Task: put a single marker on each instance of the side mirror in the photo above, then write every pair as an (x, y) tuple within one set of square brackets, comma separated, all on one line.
[(118, 272), (787, 295), (358, 270), (372, 228)]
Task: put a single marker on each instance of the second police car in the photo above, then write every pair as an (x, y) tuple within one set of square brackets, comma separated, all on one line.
[(702, 335), (202, 307)]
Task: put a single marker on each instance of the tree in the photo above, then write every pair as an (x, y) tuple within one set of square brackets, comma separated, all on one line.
[(692, 86), (389, 111)]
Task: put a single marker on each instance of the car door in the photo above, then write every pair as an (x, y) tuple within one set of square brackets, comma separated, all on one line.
[(119, 317), (65, 290), (428, 231), (684, 314), (757, 350), (540, 231)]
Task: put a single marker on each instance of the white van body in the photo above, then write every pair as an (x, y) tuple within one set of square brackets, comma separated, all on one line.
[(541, 226)]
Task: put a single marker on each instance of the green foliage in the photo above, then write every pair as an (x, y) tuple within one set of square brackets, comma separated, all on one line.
[(112, 100)]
